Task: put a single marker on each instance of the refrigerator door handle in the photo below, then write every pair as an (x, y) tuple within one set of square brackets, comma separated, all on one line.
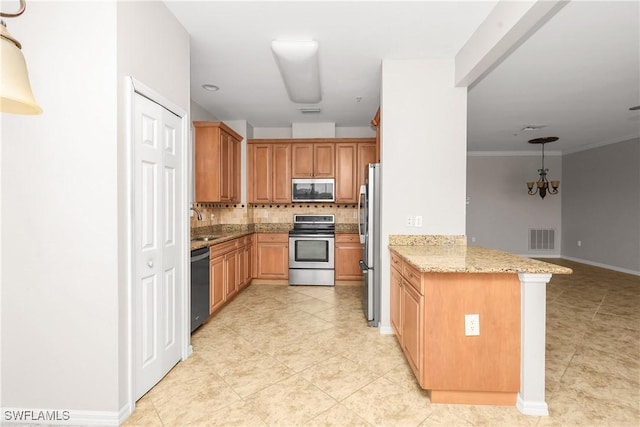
[(361, 194)]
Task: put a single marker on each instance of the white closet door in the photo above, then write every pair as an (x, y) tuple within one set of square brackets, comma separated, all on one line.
[(157, 302)]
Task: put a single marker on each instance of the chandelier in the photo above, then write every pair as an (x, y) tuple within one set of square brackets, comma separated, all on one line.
[(542, 185)]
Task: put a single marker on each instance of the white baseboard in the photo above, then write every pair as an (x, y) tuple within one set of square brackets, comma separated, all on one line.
[(62, 417), (386, 330), (532, 408), (601, 265)]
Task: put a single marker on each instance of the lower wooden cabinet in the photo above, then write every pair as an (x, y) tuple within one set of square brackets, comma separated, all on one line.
[(230, 270), (216, 283), (347, 257), (427, 313), (272, 253)]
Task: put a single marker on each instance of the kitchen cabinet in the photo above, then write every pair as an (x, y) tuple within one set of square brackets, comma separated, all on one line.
[(376, 123), (217, 163), (245, 255), (229, 271), (312, 160), (351, 161), (406, 311), (346, 172), (272, 253), (348, 254), (367, 153), (216, 283), (427, 312), (269, 172)]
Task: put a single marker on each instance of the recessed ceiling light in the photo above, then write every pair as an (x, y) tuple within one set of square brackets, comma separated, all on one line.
[(212, 88), (637, 107), (533, 127)]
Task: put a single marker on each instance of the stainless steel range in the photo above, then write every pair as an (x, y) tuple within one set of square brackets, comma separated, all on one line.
[(312, 250)]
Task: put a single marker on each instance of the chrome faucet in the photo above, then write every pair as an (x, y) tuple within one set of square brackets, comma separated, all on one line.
[(193, 208)]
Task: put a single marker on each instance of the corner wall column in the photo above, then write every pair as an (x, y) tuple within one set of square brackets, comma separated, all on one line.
[(533, 303)]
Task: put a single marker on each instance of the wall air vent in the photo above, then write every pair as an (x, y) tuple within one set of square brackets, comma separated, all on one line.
[(542, 239)]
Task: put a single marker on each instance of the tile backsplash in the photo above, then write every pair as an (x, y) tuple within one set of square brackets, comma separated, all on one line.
[(214, 213)]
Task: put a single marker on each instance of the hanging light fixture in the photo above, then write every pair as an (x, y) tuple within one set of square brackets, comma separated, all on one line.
[(15, 90), (542, 185)]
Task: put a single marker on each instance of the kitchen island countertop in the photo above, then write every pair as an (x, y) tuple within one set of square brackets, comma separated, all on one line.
[(460, 258)]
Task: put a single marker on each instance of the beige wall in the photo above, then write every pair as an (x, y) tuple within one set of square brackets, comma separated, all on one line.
[(269, 214)]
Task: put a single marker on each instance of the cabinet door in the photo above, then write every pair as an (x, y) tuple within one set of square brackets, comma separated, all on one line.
[(366, 154), (347, 257), (323, 160), (302, 160), (280, 179), (226, 166), (235, 175), (207, 163), (346, 178), (231, 270), (216, 283), (412, 327), (259, 173), (272, 253), (395, 302)]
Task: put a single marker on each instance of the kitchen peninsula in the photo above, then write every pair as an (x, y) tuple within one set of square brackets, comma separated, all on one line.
[(496, 359)]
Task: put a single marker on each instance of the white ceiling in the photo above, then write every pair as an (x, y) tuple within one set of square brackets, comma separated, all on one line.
[(578, 74)]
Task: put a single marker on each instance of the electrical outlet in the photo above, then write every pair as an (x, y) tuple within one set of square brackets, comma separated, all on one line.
[(579, 242), (472, 325), (418, 221), (409, 221)]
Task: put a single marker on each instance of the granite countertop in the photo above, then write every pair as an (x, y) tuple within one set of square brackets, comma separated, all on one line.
[(460, 258)]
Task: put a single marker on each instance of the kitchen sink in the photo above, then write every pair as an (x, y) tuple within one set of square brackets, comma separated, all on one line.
[(206, 238)]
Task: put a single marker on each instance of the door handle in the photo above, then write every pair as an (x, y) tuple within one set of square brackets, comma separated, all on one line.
[(150, 263)]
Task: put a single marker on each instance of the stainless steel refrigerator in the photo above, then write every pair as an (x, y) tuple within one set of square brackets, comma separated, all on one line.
[(369, 229)]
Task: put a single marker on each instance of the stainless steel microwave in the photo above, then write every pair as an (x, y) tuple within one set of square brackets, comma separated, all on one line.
[(313, 190)]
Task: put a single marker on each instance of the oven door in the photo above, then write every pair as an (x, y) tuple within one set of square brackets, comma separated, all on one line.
[(311, 251)]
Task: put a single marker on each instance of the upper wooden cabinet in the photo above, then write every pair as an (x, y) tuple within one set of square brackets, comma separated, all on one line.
[(269, 172), (376, 123), (217, 162), (272, 163), (351, 161), (313, 160)]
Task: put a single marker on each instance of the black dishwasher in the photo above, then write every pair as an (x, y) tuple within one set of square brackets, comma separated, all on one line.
[(199, 287)]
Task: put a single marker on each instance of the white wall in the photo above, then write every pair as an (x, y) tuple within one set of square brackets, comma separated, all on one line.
[(500, 212), (156, 54), (64, 306), (423, 153), (59, 215)]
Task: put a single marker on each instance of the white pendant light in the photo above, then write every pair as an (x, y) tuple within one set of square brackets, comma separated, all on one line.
[(298, 64), (15, 89)]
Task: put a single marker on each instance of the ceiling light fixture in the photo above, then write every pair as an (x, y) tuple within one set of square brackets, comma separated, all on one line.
[(298, 65), (210, 87), (542, 186), (530, 128), (15, 89)]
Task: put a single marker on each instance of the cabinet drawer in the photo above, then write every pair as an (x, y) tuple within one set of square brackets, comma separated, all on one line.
[(347, 238), (396, 262), (413, 276), (273, 237), (223, 248)]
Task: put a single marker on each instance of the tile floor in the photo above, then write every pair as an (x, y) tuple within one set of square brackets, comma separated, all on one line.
[(292, 356)]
